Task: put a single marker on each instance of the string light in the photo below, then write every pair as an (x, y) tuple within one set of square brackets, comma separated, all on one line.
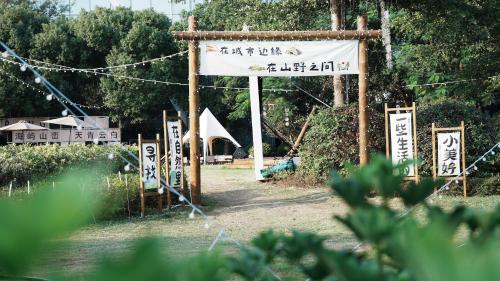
[(23, 68), (49, 97), (127, 167), (111, 156), (191, 215), (38, 80), (64, 112), (79, 128)]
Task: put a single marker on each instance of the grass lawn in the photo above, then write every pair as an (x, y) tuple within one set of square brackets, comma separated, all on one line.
[(234, 202)]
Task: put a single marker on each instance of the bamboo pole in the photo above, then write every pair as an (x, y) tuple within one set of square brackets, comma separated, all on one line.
[(363, 89), (363, 34), (464, 174), (167, 170), (194, 123), (302, 133)]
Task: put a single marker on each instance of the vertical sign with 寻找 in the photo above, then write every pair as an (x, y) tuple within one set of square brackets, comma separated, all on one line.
[(149, 170)]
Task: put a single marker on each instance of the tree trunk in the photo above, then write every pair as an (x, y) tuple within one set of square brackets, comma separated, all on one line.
[(336, 20), (386, 32)]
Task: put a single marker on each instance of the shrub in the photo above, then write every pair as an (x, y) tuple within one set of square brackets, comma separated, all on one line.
[(332, 140), (25, 162), (266, 150)]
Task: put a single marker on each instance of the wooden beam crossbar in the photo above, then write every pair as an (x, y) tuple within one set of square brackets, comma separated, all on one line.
[(279, 35)]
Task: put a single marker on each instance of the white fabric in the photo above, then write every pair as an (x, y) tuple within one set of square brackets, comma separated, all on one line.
[(258, 155), (210, 129), (69, 121), (22, 126), (279, 58)]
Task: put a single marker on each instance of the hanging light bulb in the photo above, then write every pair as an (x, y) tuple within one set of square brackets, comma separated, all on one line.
[(456, 181), (126, 168), (207, 226), (96, 141), (191, 215), (64, 112), (49, 97), (492, 152), (38, 80), (5, 54), (23, 68), (475, 168), (484, 159), (79, 127), (160, 191), (111, 156), (182, 198)]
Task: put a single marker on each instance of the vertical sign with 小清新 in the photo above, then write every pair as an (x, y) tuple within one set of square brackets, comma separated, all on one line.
[(402, 140), (175, 148), (150, 169), (448, 160)]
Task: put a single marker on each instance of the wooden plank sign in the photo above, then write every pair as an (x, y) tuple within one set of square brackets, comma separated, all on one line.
[(149, 170), (174, 164), (401, 142), (448, 153)]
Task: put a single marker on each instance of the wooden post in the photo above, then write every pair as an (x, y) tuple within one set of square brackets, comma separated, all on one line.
[(415, 153), (181, 133), (386, 113), (141, 181), (167, 170), (363, 89), (158, 164), (464, 174), (194, 116), (434, 172)]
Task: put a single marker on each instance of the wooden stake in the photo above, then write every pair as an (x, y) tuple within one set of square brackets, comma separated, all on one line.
[(28, 187), (415, 153), (386, 113), (128, 198), (107, 180), (363, 89), (194, 115), (120, 176), (434, 172), (464, 174), (167, 170), (158, 165), (141, 181), (10, 189)]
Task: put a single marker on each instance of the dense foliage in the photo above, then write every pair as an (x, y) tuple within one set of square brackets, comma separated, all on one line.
[(331, 141), (26, 162)]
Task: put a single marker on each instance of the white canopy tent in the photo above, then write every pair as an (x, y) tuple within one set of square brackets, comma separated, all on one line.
[(210, 129)]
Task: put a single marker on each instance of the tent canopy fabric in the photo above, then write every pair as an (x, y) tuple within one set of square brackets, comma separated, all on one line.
[(22, 126), (69, 121), (210, 129)]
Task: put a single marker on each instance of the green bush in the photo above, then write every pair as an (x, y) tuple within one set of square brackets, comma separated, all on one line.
[(266, 150), (332, 140), (27, 162)]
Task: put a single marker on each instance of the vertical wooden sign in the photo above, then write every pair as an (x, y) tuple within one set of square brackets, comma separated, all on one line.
[(149, 170), (448, 154), (401, 137), (174, 161)]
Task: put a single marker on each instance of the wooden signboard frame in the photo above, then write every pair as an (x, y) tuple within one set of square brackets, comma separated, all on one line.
[(177, 118), (413, 109), (142, 191), (460, 129)]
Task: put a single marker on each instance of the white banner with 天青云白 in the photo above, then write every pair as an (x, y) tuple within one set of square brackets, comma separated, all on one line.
[(278, 58)]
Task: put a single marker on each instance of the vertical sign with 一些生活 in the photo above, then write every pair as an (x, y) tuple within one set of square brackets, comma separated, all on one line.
[(402, 140), (150, 169), (448, 154), (175, 147)]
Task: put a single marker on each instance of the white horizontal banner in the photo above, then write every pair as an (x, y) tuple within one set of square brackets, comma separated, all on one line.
[(66, 136), (278, 58)]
